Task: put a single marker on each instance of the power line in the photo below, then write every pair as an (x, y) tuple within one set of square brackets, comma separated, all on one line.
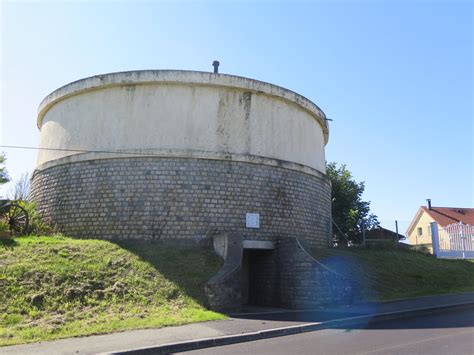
[(78, 150)]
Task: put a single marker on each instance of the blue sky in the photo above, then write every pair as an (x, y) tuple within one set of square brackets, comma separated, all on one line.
[(396, 77)]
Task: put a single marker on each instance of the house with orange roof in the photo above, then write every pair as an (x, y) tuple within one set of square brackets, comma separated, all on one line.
[(419, 231)]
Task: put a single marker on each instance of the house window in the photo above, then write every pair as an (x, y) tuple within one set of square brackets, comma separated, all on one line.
[(420, 231)]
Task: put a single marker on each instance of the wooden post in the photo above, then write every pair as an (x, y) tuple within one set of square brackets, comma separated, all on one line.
[(434, 238), (463, 240), (396, 229)]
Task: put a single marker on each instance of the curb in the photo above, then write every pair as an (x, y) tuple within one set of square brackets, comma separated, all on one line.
[(291, 330)]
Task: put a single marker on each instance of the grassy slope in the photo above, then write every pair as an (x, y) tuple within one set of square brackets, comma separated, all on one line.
[(392, 274), (53, 287)]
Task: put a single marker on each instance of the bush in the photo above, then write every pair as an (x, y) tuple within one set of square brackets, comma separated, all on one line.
[(383, 245), (392, 245), (423, 249), (36, 223), (4, 226)]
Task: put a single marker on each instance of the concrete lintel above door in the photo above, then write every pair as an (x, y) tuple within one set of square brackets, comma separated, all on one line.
[(258, 244)]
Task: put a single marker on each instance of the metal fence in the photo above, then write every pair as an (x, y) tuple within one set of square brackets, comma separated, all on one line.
[(453, 241)]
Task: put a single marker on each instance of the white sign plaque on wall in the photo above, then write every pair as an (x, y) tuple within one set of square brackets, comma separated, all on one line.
[(252, 220)]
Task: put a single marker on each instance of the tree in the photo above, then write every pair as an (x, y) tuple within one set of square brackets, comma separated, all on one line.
[(349, 211), (21, 188), (3, 171)]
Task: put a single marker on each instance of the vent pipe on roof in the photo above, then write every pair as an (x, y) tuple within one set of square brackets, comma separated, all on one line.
[(429, 203), (215, 64)]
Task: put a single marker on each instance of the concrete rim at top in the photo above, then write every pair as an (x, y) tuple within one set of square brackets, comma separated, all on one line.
[(196, 78)]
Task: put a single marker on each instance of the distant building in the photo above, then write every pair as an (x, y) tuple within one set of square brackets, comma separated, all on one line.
[(382, 234), (419, 232)]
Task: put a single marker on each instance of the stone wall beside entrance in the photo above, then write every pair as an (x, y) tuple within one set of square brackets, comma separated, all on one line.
[(287, 277)]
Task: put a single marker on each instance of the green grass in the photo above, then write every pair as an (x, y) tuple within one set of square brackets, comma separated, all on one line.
[(398, 273), (56, 287)]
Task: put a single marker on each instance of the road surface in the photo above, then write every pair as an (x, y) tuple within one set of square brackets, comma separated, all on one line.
[(448, 332)]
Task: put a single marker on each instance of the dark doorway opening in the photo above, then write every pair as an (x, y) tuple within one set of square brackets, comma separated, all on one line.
[(258, 273)]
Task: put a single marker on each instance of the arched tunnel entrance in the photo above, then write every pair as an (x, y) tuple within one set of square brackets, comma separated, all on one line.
[(258, 276)]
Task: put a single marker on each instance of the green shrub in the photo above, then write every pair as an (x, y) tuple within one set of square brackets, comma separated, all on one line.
[(4, 225), (423, 249), (36, 224), (382, 245)]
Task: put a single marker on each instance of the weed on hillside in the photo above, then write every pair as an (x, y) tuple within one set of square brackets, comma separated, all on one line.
[(53, 287)]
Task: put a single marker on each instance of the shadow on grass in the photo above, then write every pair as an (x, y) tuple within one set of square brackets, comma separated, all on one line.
[(8, 243), (190, 267)]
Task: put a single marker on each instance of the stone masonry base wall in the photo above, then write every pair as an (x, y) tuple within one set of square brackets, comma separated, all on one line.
[(182, 198)]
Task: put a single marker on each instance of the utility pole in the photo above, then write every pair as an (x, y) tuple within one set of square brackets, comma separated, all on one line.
[(396, 228)]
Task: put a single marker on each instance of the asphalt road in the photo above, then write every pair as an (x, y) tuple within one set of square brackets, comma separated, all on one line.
[(448, 332)]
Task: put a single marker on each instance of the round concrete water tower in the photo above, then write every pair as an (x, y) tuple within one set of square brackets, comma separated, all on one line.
[(166, 154)]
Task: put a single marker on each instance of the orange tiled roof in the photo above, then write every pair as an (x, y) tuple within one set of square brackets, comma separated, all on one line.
[(450, 215)]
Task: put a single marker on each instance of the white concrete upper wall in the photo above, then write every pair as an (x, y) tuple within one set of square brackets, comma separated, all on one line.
[(182, 113)]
